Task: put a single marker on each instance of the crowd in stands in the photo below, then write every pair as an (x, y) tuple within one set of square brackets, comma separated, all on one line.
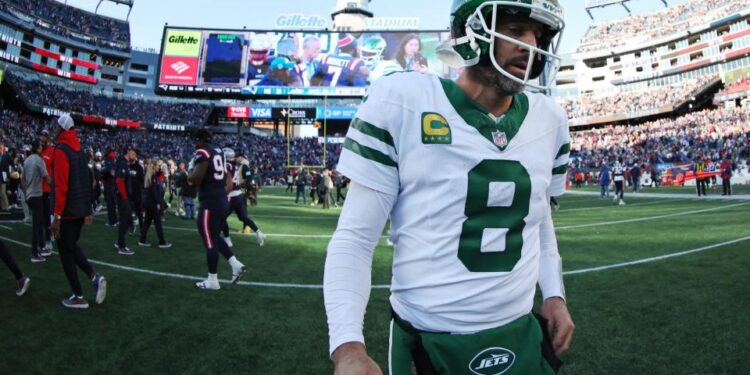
[(709, 134), (616, 33), (50, 94), (73, 22), (632, 102), (740, 85), (268, 154)]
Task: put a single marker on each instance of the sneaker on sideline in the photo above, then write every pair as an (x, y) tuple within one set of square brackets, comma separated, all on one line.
[(124, 250), (208, 285), (75, 302), (261, 238), (23, 285), (36, 258), (165, 245), (100, 288)]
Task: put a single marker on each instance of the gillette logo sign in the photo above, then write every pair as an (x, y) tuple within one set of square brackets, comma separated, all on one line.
[(181, 39), (180, 67), (299, 20)]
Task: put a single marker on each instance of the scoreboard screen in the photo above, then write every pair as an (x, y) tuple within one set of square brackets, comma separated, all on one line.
[(237, 63)]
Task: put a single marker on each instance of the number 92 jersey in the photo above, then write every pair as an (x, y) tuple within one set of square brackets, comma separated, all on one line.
[(472, 192), (213, 187)]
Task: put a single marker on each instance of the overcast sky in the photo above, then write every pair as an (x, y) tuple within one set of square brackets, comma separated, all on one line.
[(148, 16)]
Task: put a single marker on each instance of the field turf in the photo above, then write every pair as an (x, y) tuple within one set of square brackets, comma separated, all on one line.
[(658, 286)]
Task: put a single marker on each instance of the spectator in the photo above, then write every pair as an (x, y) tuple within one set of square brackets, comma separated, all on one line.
[(72, 210), (124, 182), (34, 172), (604, 180), (153, 195), (4, 177), (726, 176)]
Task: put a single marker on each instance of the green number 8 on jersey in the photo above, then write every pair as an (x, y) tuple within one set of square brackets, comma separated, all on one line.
[(497, 201)]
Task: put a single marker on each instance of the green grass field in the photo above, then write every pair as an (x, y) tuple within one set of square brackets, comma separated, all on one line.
[(683, 313)]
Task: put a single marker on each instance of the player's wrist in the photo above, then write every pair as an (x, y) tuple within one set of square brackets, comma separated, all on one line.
[(348, 350)]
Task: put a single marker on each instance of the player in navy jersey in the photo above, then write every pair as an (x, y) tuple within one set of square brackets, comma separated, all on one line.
[(341, 70), (207, 171), (619, 177), (237, 201)]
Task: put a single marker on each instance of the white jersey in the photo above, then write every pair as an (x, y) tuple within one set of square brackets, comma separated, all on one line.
[(472, 191)]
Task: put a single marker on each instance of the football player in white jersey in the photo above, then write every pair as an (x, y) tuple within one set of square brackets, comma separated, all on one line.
[(474, 240)]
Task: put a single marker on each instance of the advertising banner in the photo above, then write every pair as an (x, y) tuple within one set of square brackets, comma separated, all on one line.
[(238, 112), (335, 113), (179, 70), (261, 112), (182, 43), (294, 113)]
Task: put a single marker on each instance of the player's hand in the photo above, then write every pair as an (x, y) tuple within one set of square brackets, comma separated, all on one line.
[(352, 359), (559, 324), (54, 228), (88, 220), (158, 207)]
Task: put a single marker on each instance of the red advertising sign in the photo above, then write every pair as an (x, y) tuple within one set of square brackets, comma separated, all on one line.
[(238, 112), (70, 60), (179, 70), (63, 73)]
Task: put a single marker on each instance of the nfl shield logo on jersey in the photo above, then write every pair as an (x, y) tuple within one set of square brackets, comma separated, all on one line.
[(500, 139)]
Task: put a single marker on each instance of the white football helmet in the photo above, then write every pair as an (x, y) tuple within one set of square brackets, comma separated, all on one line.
[(473, 36)]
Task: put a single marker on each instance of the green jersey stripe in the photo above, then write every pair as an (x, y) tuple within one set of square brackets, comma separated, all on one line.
[(563, 150), (373, 131), (561, 169), (369, 153)]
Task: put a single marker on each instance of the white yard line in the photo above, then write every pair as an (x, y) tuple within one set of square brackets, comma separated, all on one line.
[(318, 286), (650, 217)]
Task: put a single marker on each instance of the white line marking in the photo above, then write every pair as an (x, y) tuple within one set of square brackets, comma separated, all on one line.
[(650, 217), (313, 286), (615, 206), (653, 259), (267, 234), (325, 217), (6, 228)]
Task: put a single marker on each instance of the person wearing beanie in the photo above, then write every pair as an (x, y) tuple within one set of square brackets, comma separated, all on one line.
[(71, 192)]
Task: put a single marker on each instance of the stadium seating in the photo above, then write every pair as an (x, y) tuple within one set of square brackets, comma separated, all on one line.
[(633, 102), (626, 31), (51, 93), (72, 22), (711, 134)]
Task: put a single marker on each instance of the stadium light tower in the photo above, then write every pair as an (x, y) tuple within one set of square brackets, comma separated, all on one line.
[(350, 14), (128, 3)]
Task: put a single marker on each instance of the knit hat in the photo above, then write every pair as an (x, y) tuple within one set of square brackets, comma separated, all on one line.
[(65, 122)]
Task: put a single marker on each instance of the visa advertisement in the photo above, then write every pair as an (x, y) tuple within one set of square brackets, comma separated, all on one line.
[(232, 63)]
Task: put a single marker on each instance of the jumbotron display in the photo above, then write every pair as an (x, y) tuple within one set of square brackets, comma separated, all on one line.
[(231, 63)]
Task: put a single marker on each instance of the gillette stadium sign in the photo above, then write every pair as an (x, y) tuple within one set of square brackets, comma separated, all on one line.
[(317, 22), (301, 21)]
